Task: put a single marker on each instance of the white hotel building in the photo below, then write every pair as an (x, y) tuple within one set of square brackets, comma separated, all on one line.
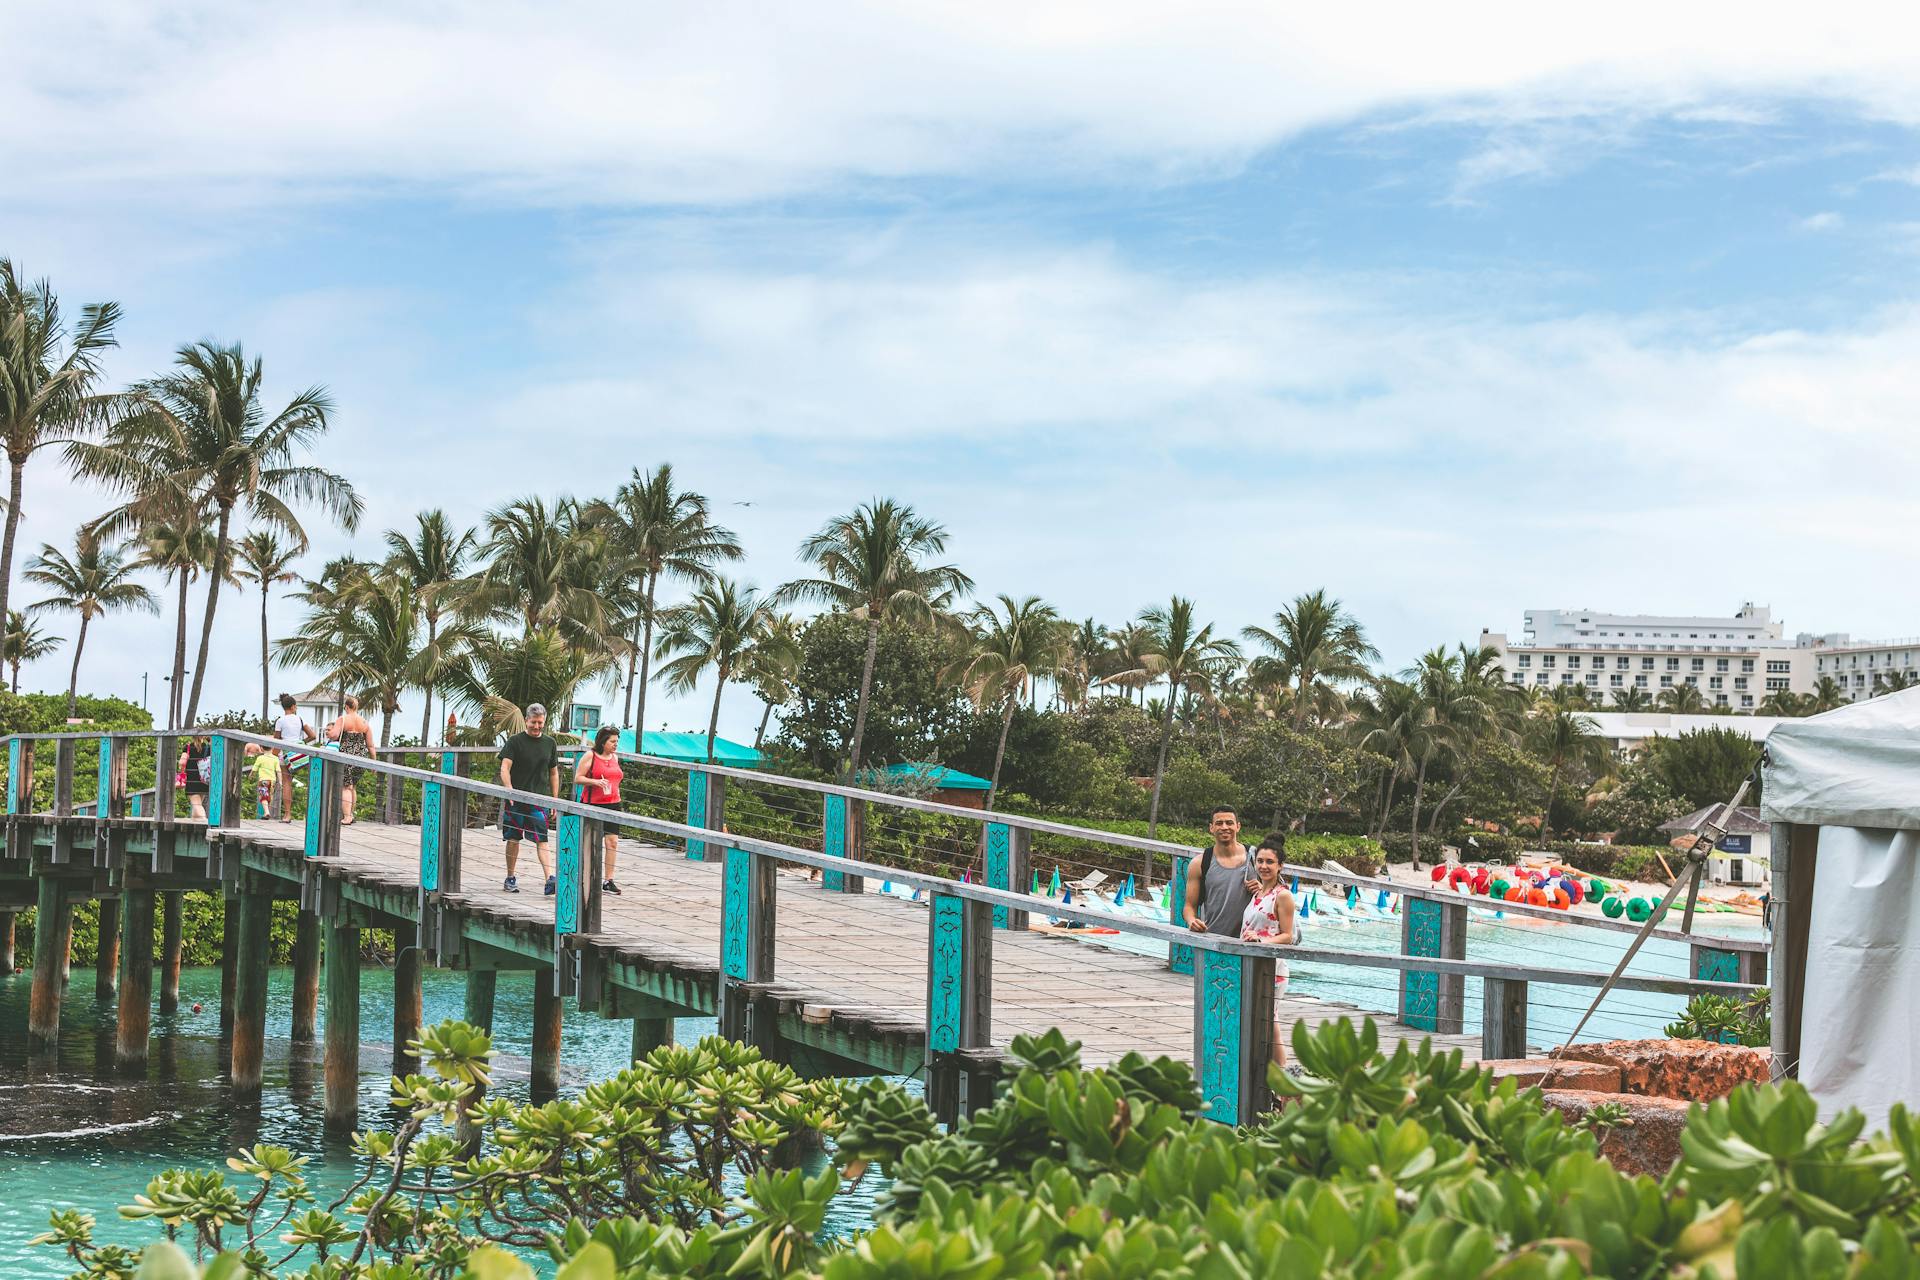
[(1857, 666), (1734, 661)]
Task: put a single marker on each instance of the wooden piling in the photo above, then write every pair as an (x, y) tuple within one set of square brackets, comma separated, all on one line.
[(43, 1012), (649, 1034), (65, 935), (171, 941), (480, 988), (406, 997), (106, 952), (306, 976), (343, 1024), (546, 1036), (134, 1016), (7, 964), (229, 942), (250, 991)]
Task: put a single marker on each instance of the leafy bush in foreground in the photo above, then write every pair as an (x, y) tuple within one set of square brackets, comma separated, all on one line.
[(1413, 1164)]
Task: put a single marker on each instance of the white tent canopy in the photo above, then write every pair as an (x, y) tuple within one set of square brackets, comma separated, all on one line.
[(1850, 901)]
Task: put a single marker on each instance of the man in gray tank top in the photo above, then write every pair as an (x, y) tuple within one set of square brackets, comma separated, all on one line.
[(1219, 881)]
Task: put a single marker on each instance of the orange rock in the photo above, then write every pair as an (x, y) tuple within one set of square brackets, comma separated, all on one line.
[(1555, 1075), (1691, 1070), (1648, 1141)]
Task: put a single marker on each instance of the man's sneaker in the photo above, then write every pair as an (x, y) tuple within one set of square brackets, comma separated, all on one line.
[(550, 886), (511, 884), (609, 886)]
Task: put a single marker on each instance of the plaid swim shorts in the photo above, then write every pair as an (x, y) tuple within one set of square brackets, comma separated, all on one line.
[(523, 822)]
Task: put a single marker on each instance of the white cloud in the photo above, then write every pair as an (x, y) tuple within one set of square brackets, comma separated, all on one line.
[(731, 100), (1826, 220)]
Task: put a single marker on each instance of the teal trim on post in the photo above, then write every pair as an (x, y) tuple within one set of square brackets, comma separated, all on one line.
[(946, 977), (14, 789), (1221, 1018), (134, 806), (1420, 992), (999, 859), (316, 801), (103, 789), (217, 783), (449, 763), (566, 865), (736, 889), (833, 840), (430, 836), (1179, 954), (1710, 964), (697, 811)]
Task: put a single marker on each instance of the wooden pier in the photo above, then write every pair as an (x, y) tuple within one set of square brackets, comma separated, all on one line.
[(780, 943)]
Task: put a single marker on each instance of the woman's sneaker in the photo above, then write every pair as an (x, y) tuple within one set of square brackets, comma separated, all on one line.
[(551, 886), (511, 884), (608, 886)]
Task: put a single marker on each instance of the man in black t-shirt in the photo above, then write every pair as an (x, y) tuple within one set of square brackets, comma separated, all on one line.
[(529, 761)]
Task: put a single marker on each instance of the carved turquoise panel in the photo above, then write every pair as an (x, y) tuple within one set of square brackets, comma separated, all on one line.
[(1221, 1016), (135, 807), (430, 836), (736, 889), (103, 792), (946, 981), (316, 801), (696, 811), (1422, 990), (15, 789), (449, 762), (217, 783), (833, 840), (999, 865), (1710, 965), (566, 866), (1179, 954)]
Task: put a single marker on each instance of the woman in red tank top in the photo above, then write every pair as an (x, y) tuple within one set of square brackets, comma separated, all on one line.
[(598, 776)]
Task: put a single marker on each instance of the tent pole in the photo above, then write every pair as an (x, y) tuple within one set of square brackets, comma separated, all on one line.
[(1780, 964)]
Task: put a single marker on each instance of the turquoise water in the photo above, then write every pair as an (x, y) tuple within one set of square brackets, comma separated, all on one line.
[(75, 1135)]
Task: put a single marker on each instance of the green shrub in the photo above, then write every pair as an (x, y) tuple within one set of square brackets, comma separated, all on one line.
[(1727, 1020)]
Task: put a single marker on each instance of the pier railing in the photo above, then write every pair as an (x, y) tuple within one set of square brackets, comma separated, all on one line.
[(1233, 980)]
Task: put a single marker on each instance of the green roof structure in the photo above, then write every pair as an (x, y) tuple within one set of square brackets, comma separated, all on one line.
[(692, 748), (943, 778)]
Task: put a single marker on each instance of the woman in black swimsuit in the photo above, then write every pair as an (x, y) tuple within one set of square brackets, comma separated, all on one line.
[(355, 737)]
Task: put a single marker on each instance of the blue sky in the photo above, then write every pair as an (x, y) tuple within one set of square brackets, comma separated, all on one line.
[(1454, 317)]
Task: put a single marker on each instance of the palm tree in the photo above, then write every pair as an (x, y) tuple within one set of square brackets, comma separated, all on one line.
[(265, 561), (1314, 647), (1565, 737), (1631, 698), (1683, 699), (1891, 682), (97, 579), (497, 676), (1390, 722), (198, 439), (182, 552), (1783, 702), (1009, 646), (1126, 659), (25, 643), (716, 628), (44, 390), (873, 565), (1479, 708), (1190, 658), (657, 532), (773, 665), (539, 570), (1085, 653), (1825, 696), (433, 561)]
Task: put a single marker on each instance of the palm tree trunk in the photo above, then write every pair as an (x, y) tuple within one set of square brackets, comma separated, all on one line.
[(1160, 769), (263, 653), (1553, 789), (760, 734), (1386, 810), (646, 660), (213, 601), (16, 678), (633, 659), (999, 754), (73, 680), (175, 689), (1300, 700), (713, 718), (866, 687), (19, 467), (387, 707), (1419, 790)]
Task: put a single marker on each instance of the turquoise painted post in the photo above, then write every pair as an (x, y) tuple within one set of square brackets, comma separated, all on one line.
[(959, 1000), (696, 812), (1432, 1001), (103, 787), (217, 783), (566, 865), (135, 806), (429, 837), (316, 804), (1179, 954), (1233, 1033), (736, 925), (833, 839), (449, 763), (947, 981), (1006, 864), (15, 776)]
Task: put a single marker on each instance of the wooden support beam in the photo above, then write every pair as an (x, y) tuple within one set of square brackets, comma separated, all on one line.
[(106, 961), (250, 992), (172, 940), (306, 976), (481, 984), (1503, 1018), (43, 1010), (1179, 954), (343, 1025), (133, 1019), (843, 826), (229, 944), (406, 997), (547, 1008), (749, 896), (1006, 857), (649, 1034), (1233, 1033), (959, 999), (1431, 1001), (62, 852), (65, 936), (706, 807)]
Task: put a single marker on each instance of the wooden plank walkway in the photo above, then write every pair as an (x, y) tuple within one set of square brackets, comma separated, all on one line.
[(866, 953)]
